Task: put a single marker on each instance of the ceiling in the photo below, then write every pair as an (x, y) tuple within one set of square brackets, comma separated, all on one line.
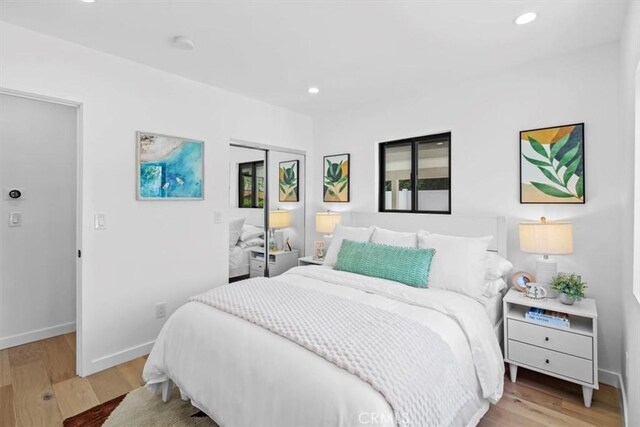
[(356, 52)]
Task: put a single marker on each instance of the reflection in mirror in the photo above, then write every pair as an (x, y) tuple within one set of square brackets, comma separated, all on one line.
[(246, 216), (286, 193)]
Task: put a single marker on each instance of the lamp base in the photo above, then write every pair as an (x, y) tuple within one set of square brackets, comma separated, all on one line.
[(278, 236), (546, 269)]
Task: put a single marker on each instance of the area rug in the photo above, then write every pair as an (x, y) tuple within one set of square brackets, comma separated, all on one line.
[(140, 407)]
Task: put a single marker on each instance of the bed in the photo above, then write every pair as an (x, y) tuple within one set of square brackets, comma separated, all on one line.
[(242, 238), (241, 373)]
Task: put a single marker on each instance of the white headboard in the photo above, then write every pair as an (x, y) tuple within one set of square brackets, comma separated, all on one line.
[(443, 224)]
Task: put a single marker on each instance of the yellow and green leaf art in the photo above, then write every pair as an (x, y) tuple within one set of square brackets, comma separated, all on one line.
[(288, 181), (336, 178), (552, 165)]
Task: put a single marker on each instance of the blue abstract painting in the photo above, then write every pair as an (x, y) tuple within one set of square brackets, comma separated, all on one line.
[(169, 167)]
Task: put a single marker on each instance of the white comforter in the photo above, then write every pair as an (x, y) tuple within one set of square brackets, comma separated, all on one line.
[(243, 375)]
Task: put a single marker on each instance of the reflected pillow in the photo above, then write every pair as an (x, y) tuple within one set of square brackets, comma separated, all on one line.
[(235, 228)]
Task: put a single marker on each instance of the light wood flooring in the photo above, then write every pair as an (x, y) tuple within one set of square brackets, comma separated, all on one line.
[(38, 387)]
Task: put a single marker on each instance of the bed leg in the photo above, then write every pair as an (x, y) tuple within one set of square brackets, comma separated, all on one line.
[(166, 390)]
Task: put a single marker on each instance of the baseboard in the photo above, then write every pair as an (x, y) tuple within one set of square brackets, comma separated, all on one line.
[(614, 379), (609, 378), (114, 359), (38, 334)]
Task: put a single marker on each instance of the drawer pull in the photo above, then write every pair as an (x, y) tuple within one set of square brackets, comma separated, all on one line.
[(546, 338), (546, 361)]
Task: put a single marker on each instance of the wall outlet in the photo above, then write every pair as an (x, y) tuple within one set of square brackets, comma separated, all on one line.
[(161, 310)]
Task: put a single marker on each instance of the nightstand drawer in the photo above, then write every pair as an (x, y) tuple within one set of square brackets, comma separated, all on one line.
[(256, 273), (552, 339), (552, 361), (256, 265)]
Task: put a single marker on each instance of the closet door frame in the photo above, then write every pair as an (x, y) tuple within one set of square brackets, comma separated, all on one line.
[(266, 148)]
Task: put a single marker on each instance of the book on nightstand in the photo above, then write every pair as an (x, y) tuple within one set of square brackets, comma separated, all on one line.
[(548, 317)]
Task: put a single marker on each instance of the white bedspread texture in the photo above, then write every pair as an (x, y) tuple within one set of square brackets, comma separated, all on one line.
[(396, 355), (242, 374)]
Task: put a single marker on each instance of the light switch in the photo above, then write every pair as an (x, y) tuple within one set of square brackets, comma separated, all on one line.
[(15, 219), (100, 221)]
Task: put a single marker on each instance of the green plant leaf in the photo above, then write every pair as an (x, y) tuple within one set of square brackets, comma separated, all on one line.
[(536, 162), (571, 169), (538, 148), (569, 156), (551, 177), (342, 187), (557, 146), (331, 192), (550, 191), (580, 187)]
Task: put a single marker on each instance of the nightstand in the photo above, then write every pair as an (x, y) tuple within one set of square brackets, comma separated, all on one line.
[(309, 260), (568, 353), (279, 262)]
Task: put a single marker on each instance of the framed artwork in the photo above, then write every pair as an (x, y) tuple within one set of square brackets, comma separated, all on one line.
[(552, 165), (169, 167), (336, 178), (288, 181), (318, 250)]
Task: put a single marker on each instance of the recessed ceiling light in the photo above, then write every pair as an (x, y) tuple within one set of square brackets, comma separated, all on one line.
[(314, 90), (525, 18), (184, 42), (89, 1)]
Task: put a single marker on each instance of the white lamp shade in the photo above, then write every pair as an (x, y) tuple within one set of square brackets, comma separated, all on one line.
[(326, 222), (547, 238), (279, 219)]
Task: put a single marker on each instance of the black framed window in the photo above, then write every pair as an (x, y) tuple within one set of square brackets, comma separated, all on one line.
[(251, 184), (415, 175)]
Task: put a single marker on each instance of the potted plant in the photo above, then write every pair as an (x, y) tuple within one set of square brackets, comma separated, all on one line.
[(569, 286)]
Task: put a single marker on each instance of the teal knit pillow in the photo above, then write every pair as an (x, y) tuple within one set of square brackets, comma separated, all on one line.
[(405, 265)]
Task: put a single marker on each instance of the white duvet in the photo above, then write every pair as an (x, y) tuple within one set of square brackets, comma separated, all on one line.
[(243, 375)]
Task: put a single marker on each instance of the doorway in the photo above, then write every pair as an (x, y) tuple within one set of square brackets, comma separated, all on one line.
[(40, 218)]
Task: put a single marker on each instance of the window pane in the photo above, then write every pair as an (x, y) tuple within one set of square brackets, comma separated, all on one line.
[(433, 174), (246, 193), (260, 183), (397, 195)]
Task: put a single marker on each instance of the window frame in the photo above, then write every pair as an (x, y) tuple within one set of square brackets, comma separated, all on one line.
[(415, 142), (254, 184)]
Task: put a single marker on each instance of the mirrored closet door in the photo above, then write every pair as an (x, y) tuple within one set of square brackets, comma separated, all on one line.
[(247, 185), (267, 217)]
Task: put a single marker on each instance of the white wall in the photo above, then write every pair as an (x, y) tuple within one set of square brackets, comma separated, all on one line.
[(152, 251), (38, 142), (485, 116), (630, 91)]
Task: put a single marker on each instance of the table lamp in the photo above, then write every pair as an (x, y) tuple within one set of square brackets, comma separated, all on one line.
[(326, 224), (546, 238), (277, 220)]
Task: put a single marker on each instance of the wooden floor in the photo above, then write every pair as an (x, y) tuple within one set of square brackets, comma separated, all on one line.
[(38, 387)]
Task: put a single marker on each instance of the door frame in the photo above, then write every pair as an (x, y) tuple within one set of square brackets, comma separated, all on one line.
[(79, 209)]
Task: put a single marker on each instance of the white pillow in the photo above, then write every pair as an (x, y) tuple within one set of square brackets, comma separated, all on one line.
[(250, 232), (493, 287), (356, 234), (394, 238), (497, 266), (258, 241), (235, 228), (459, 263)]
